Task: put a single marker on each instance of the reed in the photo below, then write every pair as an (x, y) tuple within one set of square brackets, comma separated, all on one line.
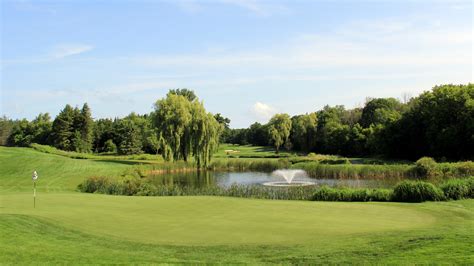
[(352, 171), (405, 191)]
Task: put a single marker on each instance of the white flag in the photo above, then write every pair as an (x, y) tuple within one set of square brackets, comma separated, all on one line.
[(35, 175)]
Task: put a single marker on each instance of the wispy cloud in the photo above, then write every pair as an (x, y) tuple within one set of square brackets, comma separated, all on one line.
[(261, 8), (64, 50), (30, 6), (190, 6), (57, 52), (256, 7)]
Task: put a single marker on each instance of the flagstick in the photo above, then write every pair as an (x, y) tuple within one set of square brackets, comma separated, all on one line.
[(34, 177), (34, 194)]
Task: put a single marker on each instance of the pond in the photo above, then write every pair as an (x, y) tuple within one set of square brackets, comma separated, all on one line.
[(225, 179)]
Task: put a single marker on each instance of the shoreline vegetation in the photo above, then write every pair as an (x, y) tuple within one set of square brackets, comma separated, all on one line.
[(419, 177), (324, 166), (404, 191)]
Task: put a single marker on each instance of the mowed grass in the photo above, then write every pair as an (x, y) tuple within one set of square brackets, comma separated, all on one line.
[(215, 220), (56, 173), (248, 151), (87, 228), (76, 228)]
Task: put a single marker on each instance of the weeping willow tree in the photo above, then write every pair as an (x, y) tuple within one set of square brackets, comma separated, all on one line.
[(206, 133), (186, 129), (279, 130)]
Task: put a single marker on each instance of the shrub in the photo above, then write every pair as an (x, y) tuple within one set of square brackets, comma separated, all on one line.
[(458, 188), (416, 191), (146, 189), (129, 187), (455, 189), (456, 170), (348, 194), (325, 194), (381, 195), (94, 184), (110, 147), (425, 167), (470, 185)]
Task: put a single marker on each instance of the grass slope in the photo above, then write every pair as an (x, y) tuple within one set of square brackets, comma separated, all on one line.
[(57, 173), (70, 227)]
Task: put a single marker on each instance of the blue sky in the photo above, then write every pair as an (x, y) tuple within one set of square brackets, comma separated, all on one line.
[(246, 59)]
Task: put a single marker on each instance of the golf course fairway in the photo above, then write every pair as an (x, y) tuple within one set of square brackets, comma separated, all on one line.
[(78, 228)]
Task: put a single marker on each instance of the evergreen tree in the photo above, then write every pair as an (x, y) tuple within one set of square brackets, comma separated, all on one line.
[(128, 137), (86, 127), (63, 129)]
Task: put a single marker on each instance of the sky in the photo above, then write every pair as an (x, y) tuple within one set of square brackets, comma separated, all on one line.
[(245, 59)]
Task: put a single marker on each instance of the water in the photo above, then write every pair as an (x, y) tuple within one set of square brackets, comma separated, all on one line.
[(225, 179)]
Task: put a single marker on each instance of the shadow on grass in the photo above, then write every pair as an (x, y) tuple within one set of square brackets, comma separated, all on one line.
[(127, 162)]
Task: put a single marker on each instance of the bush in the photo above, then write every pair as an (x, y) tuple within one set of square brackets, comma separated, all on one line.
[(381, 195), (416, 191), (470, 184), (456, 170), (110, 147), (347, 194), (94, 184), (458, 188), (146, 189), (425, 167)]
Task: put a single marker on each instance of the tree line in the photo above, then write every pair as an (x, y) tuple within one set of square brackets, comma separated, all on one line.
[(178, 128), (438, 123)]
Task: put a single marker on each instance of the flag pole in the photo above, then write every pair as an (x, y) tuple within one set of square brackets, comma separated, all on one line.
[(34, 194), (34, 177)]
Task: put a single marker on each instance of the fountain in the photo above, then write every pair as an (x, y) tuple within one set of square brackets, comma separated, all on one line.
[(289, 175)]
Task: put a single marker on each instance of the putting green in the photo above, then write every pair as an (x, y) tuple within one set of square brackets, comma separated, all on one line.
[(214, 220), (76, 228)]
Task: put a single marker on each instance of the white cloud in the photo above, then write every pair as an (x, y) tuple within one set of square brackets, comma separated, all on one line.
[(263, 111), (65, 50), (384, 43)]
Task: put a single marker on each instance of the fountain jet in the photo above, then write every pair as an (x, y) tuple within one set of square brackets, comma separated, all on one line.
[(289, 175)]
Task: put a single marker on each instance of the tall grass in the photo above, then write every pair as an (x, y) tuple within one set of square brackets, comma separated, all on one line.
[(456, 189), (262, 165), (349, 194), (137, 187), (350, 171), (394, 171), (458, 169), (405, 191), (417, 191)]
